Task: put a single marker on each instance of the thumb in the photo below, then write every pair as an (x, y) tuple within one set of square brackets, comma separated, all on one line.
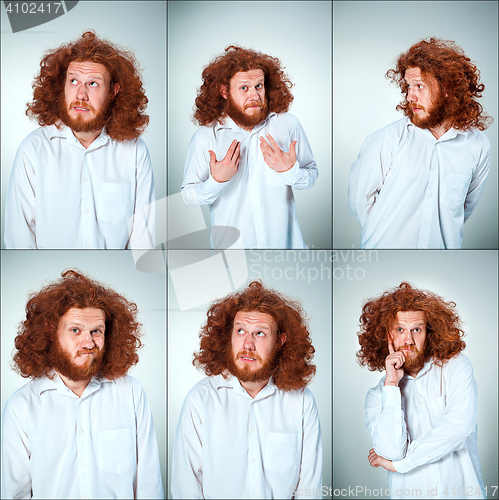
[(292, 148), (213, 156)]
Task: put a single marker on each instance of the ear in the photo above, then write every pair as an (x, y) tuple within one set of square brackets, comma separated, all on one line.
[(116, 89), (223, 91), (283, 337)]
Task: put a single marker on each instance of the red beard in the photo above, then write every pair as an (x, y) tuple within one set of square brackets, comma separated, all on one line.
[(437, 114), (246, 374), (64, 364), (243, 119), (79, 124), (415, 362)]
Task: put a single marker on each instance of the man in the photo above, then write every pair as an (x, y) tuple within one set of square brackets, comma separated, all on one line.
[(418, 180), (422, 416), (249, 153), (81, 428), (251, 428), (84, 179)]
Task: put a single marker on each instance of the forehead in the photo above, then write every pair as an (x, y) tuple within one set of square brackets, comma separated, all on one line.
[(248, 76), (410, 317), (88, 68), (255, 318), (413, 74), (83, 316)]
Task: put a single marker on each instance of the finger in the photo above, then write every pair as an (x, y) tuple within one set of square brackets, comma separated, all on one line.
[(213, 156), (274, 144), (391, 348), (292, 147), (265, 146), (230, 151), (237, 152)]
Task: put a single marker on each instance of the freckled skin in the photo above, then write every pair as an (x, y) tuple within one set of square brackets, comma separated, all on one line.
[(247, 87)]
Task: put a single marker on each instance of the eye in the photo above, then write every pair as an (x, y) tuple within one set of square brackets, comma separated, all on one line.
[(75, 330), (244, 87), (260, 334), (240, 331), (400, 330), (259, 86), (417, 330), (72, 80), (97, 332), (95, 84)]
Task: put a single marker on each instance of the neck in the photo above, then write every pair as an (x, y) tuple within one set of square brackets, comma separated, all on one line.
[(253, 388), (76, 387), (440, 130), (86, 138)]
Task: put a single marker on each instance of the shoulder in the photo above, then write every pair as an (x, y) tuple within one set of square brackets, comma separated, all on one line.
[(202, 389), (22, 398), (459, 363), (392, 130), (38, 137), (478, 138), (285, 119)]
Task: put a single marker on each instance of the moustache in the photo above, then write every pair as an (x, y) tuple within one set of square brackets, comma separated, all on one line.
[(255, 103), (414, 105), (80, 104), (248, 354), (94, 350)]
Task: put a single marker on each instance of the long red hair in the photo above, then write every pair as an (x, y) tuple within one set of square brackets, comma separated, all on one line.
[(443, 326), (44, 309), (294, 369), (127, 119), (455, 74)]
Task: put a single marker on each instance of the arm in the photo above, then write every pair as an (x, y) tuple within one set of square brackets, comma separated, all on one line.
[(20, 208), (142, 234), (367, 176), (311, 459), (148, 479), (16, 472), (187, 460), (477, 181), (454, 426)]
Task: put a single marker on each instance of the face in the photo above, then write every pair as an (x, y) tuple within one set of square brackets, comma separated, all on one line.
[(246, 97), (87, 96), (254, 346), (408, 334), (425, 100), (79, 345)]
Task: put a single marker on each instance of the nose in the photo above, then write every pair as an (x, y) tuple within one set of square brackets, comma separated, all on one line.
[(87, 341), (253, 93), (249, 343), (411, 96), (407, 338), (82, 94)]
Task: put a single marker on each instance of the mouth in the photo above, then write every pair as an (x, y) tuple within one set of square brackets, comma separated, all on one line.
[(247, 359), (77, 108)]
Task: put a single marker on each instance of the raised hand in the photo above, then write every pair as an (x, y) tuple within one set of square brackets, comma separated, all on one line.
[(275, 157), (376, 461), (394, 362), (224, 170)]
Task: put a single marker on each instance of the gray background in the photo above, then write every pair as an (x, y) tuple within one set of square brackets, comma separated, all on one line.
[(299, 34), (139, 26), (468, 278), (303, 275), (367, 38), (26, 271)]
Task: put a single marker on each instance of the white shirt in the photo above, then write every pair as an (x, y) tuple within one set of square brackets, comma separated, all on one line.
[(428, 427), (410, 190), (62, 195), (102, 445), (229, 445), (257, 201)]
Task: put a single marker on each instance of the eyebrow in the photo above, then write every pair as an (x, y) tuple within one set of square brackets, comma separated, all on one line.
[(257, 326), (415, 326), (91, 76), (80, 325)]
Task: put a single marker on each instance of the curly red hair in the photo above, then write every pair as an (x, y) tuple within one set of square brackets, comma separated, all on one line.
[(127, 119), (443, 326), (455, 74), (293, 369), (44, 309), (210, 105)]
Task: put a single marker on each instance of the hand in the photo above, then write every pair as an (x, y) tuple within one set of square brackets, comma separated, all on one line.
[(223, 171), (275, 157), (376, 461), (394, 362)]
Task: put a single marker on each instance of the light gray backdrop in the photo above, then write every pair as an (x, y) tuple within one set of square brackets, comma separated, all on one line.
[(299, 34), (139, 26), (367, 38), (26, 271), (469, 278), (303, 275)]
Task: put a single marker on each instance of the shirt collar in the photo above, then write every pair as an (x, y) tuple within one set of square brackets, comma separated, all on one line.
[(450, 134), (233, 383), (229, 123), (55, 383), (66, 133)]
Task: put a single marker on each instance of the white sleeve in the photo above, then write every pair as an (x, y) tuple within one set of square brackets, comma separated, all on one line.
[(187, 460), (311, 459), (477, 184), (142, 235), (16, 472), (304, 172), (454, 426), (20, 208), (198, 186), (367, 175), (385, 421), (148, 480)]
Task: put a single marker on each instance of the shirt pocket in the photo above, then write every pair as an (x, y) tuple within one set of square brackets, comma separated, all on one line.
[(454, 191), (115, 203), (282, 453), (116, 450)]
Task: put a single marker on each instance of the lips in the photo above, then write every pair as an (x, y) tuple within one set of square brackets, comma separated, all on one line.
[(247, 358), (77, 108)]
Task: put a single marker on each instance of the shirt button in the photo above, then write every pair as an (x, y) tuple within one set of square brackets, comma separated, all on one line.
[(82, 431), (426, 222), (84, 464), (259, 231), (434, 168), (253, 461), (255, 492), (87, 211), (426, 429), (252, 430), (423, 248), (252, 157), (86, 180), (431, 194), (256, 206), (420, 403), (88, 242)]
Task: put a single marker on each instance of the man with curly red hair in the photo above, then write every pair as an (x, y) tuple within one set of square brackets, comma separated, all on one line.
[(81, 428), (422, 416), (249, 153), (84, 179), (418, 180), (251, 428)]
